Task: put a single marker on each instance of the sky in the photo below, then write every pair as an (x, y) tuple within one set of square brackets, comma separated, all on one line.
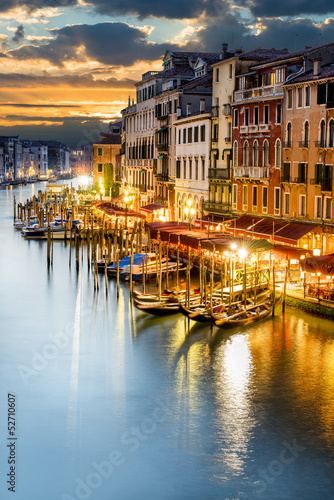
[(67, 67)]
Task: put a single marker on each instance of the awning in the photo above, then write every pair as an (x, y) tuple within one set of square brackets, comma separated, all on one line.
[(285, 252), (118, 198), (163, 129), (215, 150), (282, 231), (152, 207), (226, 149), (323, 264)]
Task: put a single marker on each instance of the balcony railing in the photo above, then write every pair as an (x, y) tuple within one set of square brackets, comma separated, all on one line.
[(304, 144), (162, 146), (219, 173), (286, 178), (142, 188), (287, 144), (251, 172), (326, 185), (227, 110), (320, 144), (215, 111), (216, 206), (300, 180), (268, 91)]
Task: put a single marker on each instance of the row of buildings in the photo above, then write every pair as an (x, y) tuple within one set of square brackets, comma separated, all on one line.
[(23, 159), (234, 133)]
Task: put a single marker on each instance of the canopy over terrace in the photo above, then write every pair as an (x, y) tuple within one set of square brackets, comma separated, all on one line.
[(109, 209), (280, 231), (323, 264), (178, 234), (153, 207)]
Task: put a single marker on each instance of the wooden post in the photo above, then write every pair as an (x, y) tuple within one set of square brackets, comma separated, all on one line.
[(144, 275), (211, 280), (131, 270), (255, 280), (222, 281), (117, 261), (177, 263), (201, 277), (14, 203), (106, 274), (167, 248), (49, 246), (160, 268), (284, 288), (245, 283), (273, 311), (189, 279)]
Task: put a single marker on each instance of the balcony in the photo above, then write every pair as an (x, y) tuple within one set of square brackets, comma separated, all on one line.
[(251, 129), (142, 188), (286, 177), (326, 185), (304, 144), (162, 146), (216, 207), (320, 144), (299, 180), (258, 92), (162, 118), (227, 110), (251, 172), (228, 139), (215, 111), (219, 173), (287, 144)]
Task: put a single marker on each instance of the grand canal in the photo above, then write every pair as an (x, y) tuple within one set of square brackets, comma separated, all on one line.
[(114, 404)]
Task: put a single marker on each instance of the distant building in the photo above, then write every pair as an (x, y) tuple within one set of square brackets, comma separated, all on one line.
[(40, 151), (12, 157), (58, 157), (107, 159)]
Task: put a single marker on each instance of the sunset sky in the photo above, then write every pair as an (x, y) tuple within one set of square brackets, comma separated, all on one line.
[(68, 66)]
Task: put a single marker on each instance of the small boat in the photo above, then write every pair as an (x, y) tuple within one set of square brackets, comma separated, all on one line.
[(237, 316), (37, 233), (124, 264), (200, 312), (158, 308)]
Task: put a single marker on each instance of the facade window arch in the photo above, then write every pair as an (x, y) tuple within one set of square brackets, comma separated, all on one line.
[(255, 154), (265, 153), (322, 138), (289, 134), (235, 154), (246, 154), (278, 153), (306, 133), (331, 134)]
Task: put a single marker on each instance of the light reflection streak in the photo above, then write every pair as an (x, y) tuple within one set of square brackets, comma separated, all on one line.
[(234, 368), (74, 374)]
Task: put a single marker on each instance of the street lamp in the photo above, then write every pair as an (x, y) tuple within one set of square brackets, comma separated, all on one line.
[(189, 211), (126, 201)]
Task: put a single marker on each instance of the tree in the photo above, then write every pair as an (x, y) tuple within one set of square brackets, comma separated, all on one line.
[(108, 178)]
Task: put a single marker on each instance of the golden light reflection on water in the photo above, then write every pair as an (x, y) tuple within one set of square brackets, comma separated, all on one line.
[(233, 365)]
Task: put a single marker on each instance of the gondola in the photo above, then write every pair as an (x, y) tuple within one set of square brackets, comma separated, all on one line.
[(158, 308), (200, 312), (243, 317)]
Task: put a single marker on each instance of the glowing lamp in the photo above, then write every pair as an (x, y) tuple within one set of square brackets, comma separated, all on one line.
[(316, 251)]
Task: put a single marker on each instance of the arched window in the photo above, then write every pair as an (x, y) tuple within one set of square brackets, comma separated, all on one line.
[(246, 154), (235, 154), (322, 141), (265, 153), (255, 154), (289, 135), (331, 133), (306, 133), (278, 155)]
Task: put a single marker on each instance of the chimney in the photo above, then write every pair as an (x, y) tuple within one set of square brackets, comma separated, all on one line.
[(188, 108), (223, 54), (179, 111), (129, 101), (202, 105), (316, 67), (237, 52), (133, 102)]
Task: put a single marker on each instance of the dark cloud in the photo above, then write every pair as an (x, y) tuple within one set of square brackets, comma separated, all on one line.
[(175, 9), (74, 132), (19, 34), (35, 4), (278, 33), (265, 8), (20, 80), (109, 43)]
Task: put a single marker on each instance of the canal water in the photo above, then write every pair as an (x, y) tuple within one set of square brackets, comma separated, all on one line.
[(111, 403)]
